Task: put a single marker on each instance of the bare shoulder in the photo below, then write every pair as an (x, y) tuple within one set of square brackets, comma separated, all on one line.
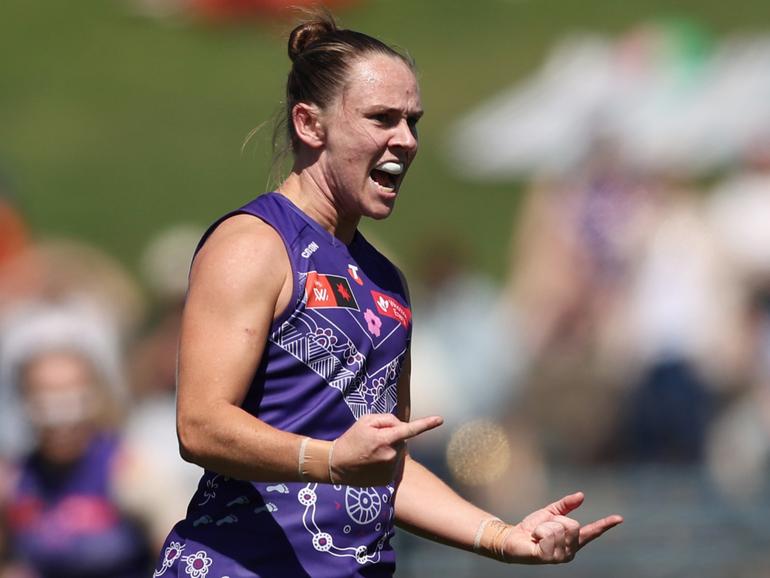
[(243, 254)]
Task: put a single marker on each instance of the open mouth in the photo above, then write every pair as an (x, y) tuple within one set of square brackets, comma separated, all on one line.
[(387, 175)]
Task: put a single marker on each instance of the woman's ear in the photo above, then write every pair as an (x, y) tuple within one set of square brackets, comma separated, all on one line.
[(307, 124)]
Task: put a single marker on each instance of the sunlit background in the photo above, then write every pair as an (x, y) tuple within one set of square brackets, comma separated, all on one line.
[(586, 232)]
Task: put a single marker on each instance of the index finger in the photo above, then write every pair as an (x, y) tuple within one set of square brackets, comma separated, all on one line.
[(406, 430), (591, 531)]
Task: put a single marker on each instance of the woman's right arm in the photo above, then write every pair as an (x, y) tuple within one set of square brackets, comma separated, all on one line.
[(240, 280)]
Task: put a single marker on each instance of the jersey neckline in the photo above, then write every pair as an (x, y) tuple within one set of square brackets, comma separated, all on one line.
[(334, 241)]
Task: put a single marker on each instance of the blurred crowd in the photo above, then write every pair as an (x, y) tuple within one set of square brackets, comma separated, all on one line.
[(633, 324), (632, 328), (90, 475), (636, 305), (632, 334)]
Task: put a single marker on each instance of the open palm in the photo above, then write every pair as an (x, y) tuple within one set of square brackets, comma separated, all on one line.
[(548, 536)]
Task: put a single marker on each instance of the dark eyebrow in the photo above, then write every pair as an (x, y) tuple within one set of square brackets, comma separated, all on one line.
[(390, 110)]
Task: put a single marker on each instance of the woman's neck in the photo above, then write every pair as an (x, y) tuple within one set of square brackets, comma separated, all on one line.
[(315, 200)]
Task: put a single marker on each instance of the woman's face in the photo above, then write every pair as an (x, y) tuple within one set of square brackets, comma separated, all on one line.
[(58, 390), (371, 136)]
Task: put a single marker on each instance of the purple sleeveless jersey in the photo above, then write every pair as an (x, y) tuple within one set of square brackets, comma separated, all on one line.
[(333, 356)]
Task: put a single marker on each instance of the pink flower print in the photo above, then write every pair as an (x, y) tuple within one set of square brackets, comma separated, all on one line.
[(197, 564), (373, 322)]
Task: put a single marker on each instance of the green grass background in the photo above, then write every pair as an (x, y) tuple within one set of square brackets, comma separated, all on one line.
[(113, 126)]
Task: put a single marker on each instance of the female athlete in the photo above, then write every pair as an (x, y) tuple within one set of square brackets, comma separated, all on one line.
[(293, 386)]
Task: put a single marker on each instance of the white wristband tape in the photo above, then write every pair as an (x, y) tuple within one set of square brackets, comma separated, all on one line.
[(301, 460), (480, 532), (331, 455)]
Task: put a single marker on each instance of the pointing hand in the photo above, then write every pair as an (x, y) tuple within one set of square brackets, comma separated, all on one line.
[(371, 451)]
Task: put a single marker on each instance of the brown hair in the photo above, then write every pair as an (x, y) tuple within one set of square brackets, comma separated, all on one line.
[(321, 56)]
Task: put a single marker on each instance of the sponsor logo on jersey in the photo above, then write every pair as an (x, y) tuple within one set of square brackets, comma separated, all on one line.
[(328, 291), (310, 249), (353, 272), (389, 307)]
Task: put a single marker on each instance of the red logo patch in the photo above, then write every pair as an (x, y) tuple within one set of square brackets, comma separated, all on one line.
[(328, 291), (389, 307)]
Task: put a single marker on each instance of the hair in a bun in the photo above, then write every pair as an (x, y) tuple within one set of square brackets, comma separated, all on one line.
[(310, 32), (322, 54)]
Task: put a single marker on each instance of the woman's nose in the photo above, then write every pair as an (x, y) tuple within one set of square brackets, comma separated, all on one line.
[(405, 136)]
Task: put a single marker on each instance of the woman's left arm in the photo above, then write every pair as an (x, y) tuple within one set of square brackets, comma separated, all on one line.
[(426, 506)]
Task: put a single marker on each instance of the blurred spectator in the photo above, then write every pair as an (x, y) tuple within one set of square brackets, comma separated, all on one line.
[(631, 310), (34, 329), (61, 514), (574, 250), (683, 316), (64, 271), (573, 256), (739, 209)]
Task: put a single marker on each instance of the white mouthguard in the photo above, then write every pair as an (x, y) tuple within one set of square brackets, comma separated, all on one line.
[(392, 168)]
